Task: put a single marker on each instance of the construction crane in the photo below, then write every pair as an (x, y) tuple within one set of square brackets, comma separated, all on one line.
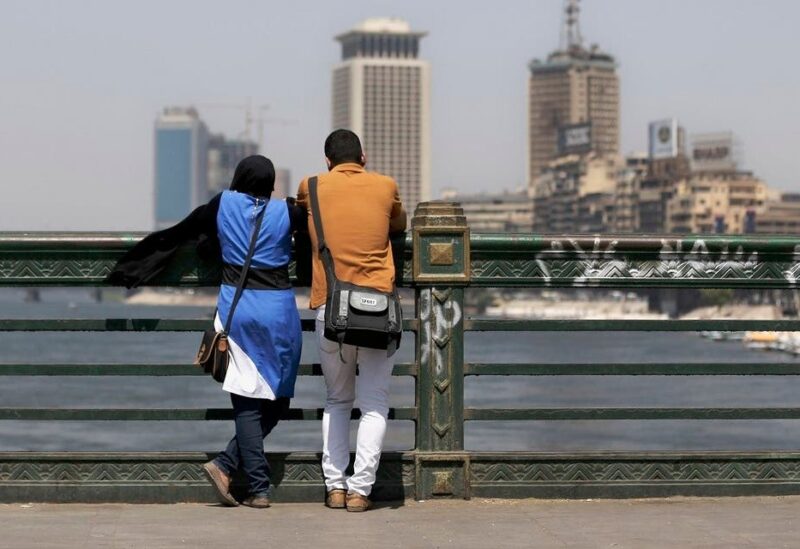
[(253, 114)]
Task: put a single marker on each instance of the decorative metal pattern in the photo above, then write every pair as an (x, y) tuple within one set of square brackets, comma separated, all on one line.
[(21, 269), (430, 243), (77, 270), (496, 470), (632, 272), (497, 260), (181, 471), (39, 476), (614, 262), (441, 253), (440, 355), (690, 469), (103, 472)]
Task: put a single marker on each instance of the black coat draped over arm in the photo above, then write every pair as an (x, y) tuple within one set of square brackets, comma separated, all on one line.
[(148, 258)]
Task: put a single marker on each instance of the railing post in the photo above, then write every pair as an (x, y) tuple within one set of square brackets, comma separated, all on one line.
[(441, 270)]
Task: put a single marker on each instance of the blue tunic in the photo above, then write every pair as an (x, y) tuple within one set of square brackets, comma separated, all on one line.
[(266, 325)]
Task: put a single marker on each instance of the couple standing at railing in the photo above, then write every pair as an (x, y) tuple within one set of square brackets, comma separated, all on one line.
[(352, 280)]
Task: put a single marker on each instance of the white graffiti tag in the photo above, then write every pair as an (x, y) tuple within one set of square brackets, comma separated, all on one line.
[(441, 314), (592, 265), (699, 262)]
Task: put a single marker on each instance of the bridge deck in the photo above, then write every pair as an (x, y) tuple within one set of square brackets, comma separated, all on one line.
[(674, 522)]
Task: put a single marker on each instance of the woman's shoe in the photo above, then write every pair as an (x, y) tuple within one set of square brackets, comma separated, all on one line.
[(259, 502), (221, 482)]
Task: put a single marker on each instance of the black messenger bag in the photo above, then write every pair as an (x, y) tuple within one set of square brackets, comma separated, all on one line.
[(355, 315)]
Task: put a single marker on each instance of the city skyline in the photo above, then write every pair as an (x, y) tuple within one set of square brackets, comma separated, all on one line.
[(74, 103)]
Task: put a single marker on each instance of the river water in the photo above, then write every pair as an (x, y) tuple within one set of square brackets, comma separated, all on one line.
[(485, 391)]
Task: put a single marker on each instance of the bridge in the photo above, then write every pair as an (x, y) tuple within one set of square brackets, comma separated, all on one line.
[(441, 260)]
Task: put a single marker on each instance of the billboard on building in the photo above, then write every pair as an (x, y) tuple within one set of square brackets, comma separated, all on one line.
[(714, 152), (575, 139), (664, 139)]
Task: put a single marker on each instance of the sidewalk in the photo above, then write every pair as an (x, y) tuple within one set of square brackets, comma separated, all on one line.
[(675, 522)]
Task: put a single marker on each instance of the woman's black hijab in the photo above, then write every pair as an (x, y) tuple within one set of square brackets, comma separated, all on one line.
[(255, 175)]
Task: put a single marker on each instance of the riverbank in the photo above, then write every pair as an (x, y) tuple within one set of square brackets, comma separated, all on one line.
[(784, 342), (557, 306), (152, 296), (735, 312), (190, 298)]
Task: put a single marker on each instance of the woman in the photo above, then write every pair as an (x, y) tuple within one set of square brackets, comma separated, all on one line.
[(265, 336)]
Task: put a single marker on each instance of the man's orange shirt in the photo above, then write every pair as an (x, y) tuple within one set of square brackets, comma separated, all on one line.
[(358, 209)]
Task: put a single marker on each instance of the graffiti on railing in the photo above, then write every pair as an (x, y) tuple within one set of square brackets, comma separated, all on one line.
[(699, 261), (529, 260), (598, 261), (792, 273), (442, 314)]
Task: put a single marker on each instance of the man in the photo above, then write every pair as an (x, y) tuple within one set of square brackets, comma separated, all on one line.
[(359, 209)]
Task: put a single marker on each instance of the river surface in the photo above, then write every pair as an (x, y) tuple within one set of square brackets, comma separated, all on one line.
[(485, 391)]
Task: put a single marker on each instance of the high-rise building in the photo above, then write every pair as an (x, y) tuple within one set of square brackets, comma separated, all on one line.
[(223, 157), (381, 91), (181, 170), (573, 100)]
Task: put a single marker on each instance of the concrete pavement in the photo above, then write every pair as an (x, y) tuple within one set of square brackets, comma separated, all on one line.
[(479, 523)]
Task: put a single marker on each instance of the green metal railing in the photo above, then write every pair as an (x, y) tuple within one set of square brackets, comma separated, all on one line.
[(441, 260)]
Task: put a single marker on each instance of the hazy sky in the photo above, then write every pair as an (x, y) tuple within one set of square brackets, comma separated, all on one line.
[(83, 80)]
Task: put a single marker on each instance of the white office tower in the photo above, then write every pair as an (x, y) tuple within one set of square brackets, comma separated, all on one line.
[(381, 91)]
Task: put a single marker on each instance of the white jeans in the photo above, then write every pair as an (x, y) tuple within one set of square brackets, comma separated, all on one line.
[(371, 392)]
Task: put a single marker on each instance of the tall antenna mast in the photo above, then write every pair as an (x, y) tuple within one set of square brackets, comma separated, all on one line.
[(571, 38)]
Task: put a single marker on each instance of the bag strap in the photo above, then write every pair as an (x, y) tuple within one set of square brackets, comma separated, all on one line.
[(315, 213), (246, 267), (324, 251)]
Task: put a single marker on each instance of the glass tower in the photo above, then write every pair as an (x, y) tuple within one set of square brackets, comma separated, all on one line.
[(181, 164)]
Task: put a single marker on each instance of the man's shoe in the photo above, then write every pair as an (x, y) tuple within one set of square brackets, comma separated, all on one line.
[(221, 482), (259, 502), (356, 503), (335, 499)]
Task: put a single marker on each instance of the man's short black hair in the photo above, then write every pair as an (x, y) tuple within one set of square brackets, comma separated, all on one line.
[(343, 146)]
